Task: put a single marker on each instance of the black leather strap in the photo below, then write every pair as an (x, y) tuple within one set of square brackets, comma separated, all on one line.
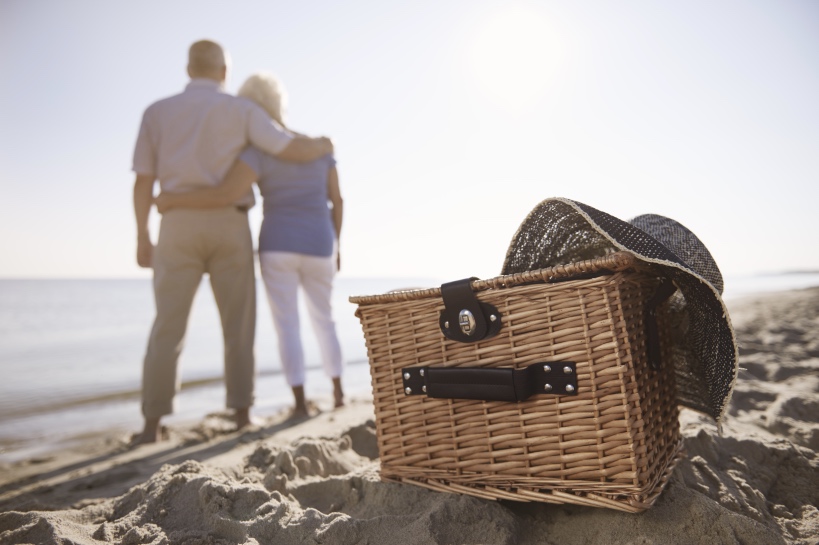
[(665, 290), (465, 319), (492, 384)]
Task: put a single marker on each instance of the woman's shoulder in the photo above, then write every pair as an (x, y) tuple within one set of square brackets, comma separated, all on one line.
[(261, 160)]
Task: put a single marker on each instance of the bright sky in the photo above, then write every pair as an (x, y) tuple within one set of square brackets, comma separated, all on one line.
[(451, 119)]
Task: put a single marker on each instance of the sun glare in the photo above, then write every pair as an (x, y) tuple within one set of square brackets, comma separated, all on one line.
[(514, 55)]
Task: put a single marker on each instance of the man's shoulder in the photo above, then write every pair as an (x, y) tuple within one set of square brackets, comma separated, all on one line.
[(168, 101), (218, 97)]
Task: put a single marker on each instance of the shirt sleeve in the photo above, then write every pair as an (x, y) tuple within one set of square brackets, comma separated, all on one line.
[(266, 134), (145, 150)]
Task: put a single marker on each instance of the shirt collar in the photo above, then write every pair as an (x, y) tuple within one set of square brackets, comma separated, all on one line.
[(204, 83)]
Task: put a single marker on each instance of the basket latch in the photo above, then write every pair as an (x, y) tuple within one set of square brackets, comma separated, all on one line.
[(465, 319)]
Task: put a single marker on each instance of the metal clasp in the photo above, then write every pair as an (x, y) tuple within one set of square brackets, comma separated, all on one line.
[(467, 322)]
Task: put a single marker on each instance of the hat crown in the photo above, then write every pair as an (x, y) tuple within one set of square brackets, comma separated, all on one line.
[(685, 245), (704, 351)]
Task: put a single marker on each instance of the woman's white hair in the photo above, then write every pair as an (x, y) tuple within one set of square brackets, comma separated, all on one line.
[(267, 91)]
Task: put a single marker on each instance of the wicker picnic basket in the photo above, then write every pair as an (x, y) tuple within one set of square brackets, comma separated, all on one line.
[(564, 400)]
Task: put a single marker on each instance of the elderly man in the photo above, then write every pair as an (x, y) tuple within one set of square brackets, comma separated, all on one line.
[(187, 141)]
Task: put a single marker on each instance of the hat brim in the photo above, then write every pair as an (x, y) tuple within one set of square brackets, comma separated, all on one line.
[(559, 231)]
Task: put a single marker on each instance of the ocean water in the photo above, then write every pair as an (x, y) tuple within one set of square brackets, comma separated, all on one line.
[(71, 354), (71, 357)]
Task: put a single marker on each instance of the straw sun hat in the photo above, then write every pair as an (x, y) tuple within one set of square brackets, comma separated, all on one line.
[(704, 350)]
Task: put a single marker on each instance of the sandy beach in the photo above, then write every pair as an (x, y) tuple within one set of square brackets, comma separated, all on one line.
[(755, 481)]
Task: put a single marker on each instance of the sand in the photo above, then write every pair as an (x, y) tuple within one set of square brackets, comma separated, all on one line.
[(756, 481)]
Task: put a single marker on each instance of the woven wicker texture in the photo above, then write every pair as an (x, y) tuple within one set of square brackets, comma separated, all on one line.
[(704, 350), (613, 445)]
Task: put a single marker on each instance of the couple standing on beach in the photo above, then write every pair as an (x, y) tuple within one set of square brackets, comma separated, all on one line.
[(207, 148)]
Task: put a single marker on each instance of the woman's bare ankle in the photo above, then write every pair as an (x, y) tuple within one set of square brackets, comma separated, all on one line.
[(300, 403), (338, 393)]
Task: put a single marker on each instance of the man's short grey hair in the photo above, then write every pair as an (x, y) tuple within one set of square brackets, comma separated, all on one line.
[(206, 58), (267, 91)]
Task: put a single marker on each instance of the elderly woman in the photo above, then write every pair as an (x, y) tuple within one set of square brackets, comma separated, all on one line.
[(298, 239)]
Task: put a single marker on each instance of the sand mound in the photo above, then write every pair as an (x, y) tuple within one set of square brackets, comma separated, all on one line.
[(756, 481)]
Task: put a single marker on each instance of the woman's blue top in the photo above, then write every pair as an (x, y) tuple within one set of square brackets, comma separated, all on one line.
[(296, 212)]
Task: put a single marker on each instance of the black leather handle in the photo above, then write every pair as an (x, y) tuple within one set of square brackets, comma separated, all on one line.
[(491, 384)]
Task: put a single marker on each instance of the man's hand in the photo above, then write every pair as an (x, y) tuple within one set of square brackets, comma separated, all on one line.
[(302, 149), (328, 143), (145, 252), (162, 202)]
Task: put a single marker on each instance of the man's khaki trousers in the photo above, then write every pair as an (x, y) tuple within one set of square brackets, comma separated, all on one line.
[(191, 243)]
